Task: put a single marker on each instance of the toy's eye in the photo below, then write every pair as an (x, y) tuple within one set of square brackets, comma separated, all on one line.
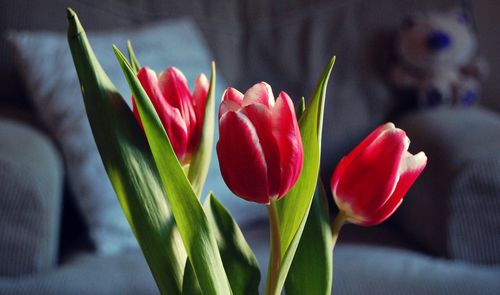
[(407, 22), (438, 40)]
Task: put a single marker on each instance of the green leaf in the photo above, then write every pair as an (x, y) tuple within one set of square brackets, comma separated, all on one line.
[(136, 66), (294, 207), (198, 238), (301, 107), (129, 164), (313, 272), (190, 285), (239, 261), (198, 169)]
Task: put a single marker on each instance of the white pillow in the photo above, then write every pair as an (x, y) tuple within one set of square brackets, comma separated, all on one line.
[(50, 76)]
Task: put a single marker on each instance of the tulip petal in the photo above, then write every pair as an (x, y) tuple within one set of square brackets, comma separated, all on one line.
[(175, 90), (259, 93), (175, 127), (200, 93), (383, 213), (170, 117), (261, 119), (410, 168), (234, 95), (241, 158), (371, 177), (287, 134), (232, 100), (149, 81), (201, 86), (345, 161)]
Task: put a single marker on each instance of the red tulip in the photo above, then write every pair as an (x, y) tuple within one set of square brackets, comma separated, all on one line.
[(370, 182), (260, 149), (180, 112)]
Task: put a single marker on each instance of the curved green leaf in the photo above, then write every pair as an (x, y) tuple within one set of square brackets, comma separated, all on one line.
[(294, 207), (198, 169), (238, 258), (199, 240), (301, 107), (136, 66), (313, 272), (129, 164)]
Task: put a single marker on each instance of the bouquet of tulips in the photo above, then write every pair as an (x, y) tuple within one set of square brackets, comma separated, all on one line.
[(157, 156)]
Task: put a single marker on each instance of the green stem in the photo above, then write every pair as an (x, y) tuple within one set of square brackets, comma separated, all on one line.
[(275, 255), (337, 226)]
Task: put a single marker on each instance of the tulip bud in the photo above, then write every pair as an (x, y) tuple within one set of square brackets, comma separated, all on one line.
[(259, 149), (369, 184), (180, 112)]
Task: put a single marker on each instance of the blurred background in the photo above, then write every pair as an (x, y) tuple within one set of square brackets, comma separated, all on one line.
[(431, 66)]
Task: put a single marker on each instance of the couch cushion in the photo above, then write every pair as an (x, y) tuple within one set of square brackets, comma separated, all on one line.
[(454, 208), (89, 274), (377, 270), (474, 213), (31, 181)]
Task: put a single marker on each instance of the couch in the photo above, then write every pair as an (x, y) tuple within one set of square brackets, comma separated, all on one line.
[(443, 240)]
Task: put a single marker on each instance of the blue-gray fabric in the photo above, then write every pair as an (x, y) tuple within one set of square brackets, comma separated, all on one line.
[(376, 270), (474, 221), (453, 210), (88, 274), (31, 181)]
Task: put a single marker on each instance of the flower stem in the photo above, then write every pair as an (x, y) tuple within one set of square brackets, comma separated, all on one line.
[(275, 254), (337, 226)]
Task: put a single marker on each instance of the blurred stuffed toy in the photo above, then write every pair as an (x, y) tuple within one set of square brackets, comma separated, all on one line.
[(437, 61)]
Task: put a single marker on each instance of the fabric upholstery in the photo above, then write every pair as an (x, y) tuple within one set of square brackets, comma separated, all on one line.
[(474, 222), (88, 274), (31, 178), (453, 208), (361, 269)]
